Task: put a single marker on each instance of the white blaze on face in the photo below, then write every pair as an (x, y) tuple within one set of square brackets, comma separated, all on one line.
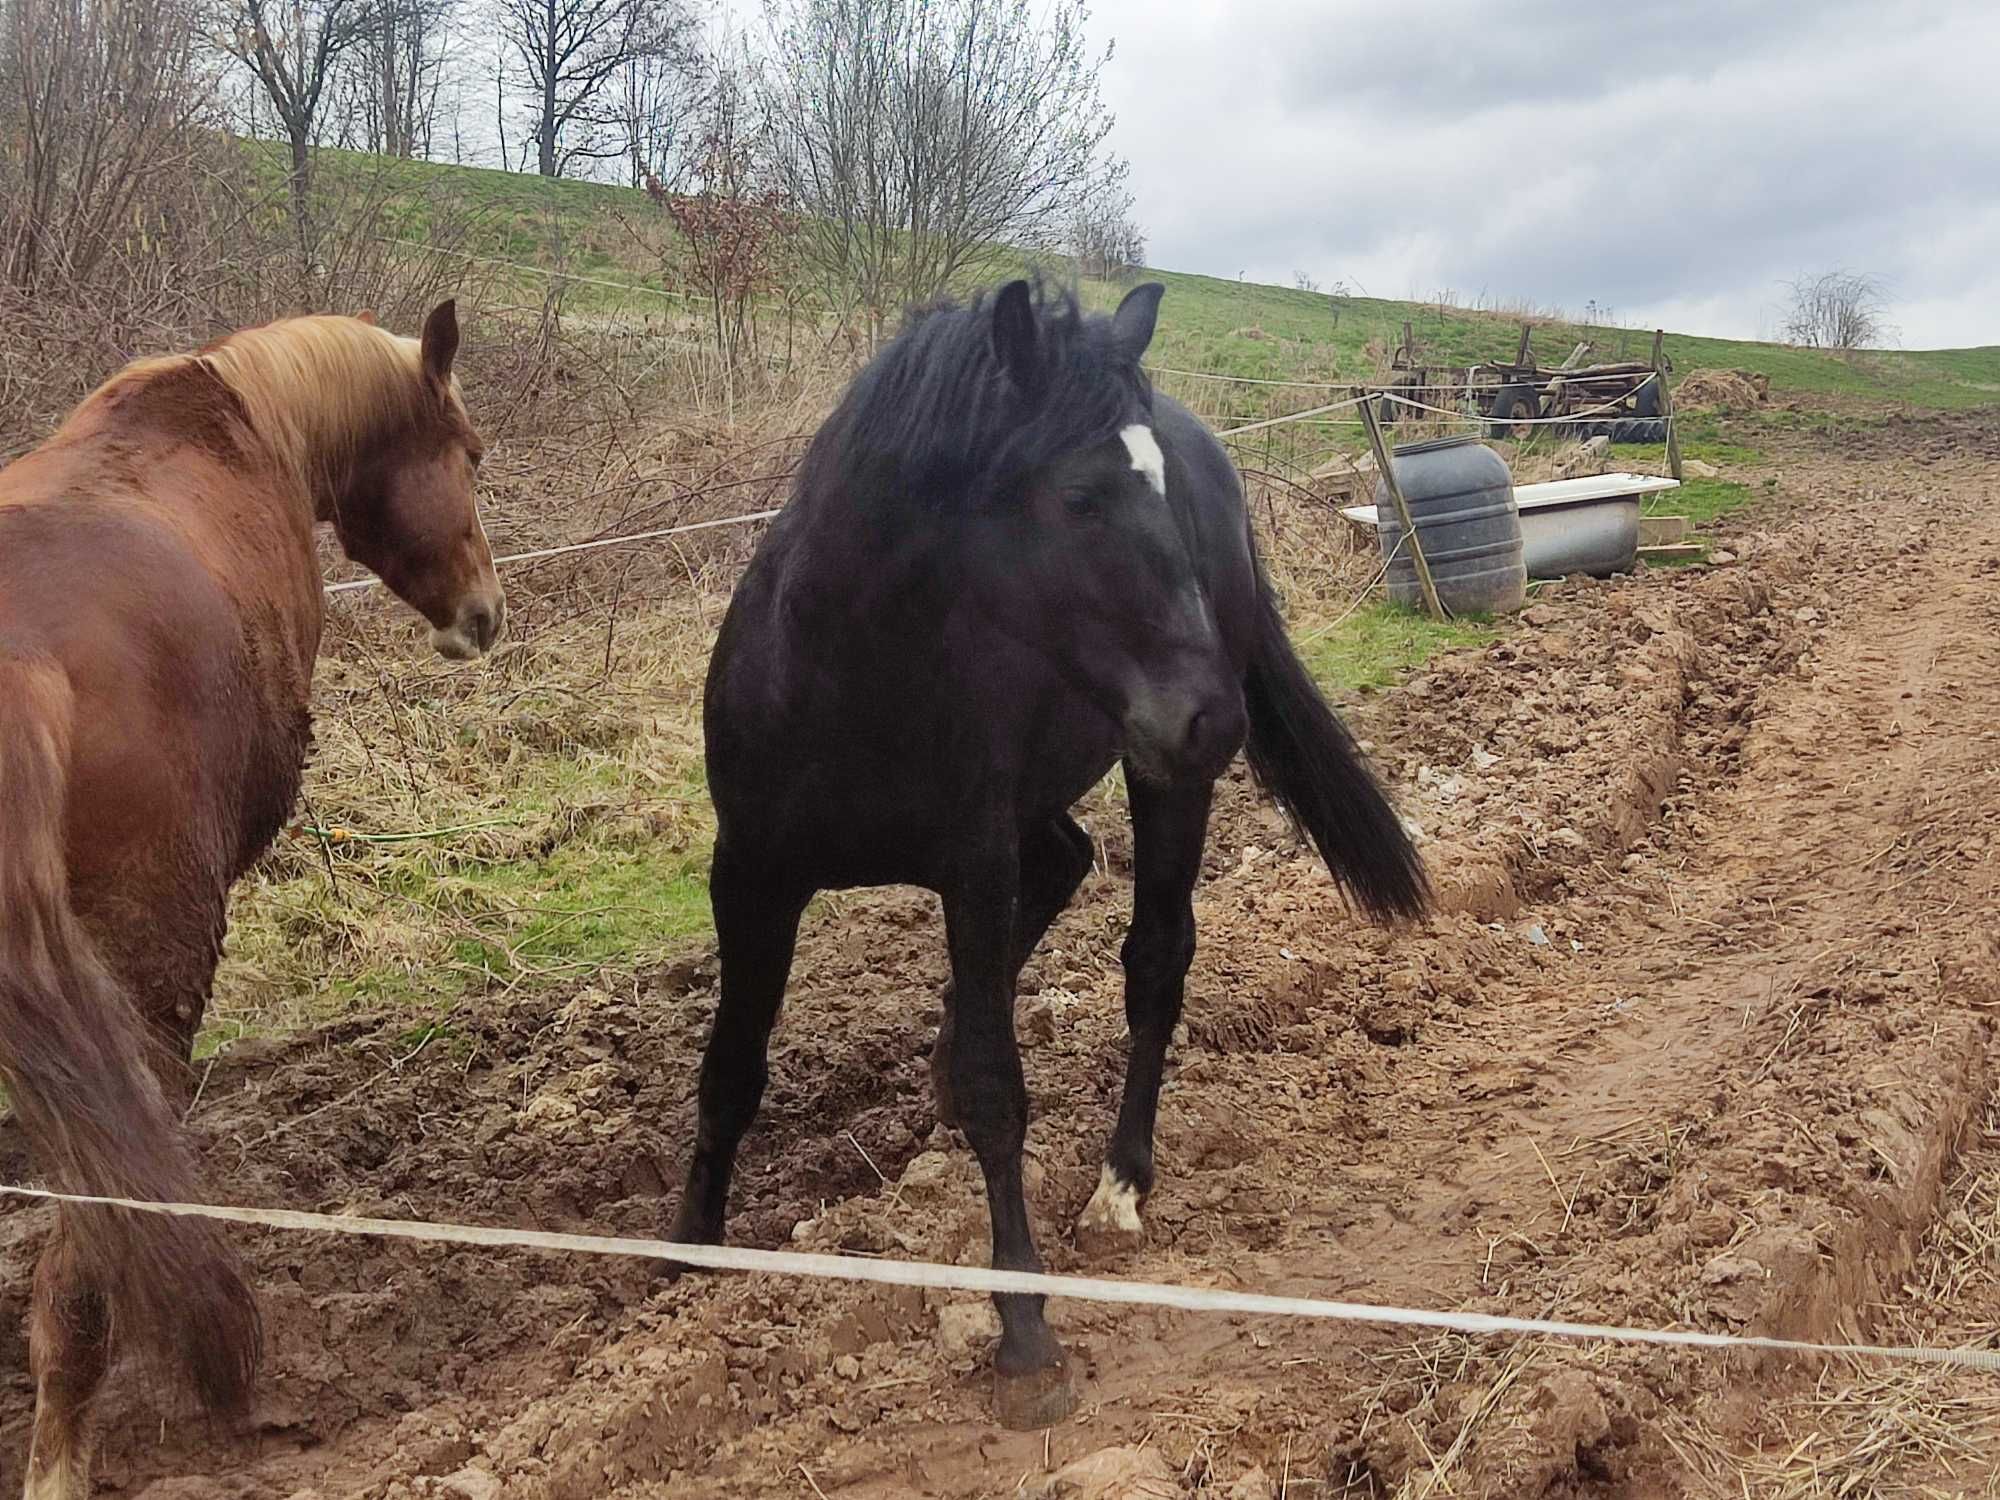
[(1146, 455)]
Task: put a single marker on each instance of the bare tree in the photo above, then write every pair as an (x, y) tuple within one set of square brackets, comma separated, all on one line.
[(919, 138), (566, 57), (1102, 236), (399, 66), (661, 100), (293, 49), (97, 98), (1837, 309)]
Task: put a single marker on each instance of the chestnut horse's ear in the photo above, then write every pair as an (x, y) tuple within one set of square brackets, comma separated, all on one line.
[(441, 341), (1015, 340), (367, 317)]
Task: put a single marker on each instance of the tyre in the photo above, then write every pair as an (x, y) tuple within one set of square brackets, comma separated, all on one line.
[(1513, 404), (1646, 401), (1622, 431)]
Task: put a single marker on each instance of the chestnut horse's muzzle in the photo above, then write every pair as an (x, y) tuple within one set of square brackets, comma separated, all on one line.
[(476, 627)]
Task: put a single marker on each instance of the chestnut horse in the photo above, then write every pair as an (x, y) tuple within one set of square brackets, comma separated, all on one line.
[(160, 610)]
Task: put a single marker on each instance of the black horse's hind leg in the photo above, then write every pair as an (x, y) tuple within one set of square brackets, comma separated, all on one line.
[(1169, 827), (1055, 856), (756, 927), (1032, 1385)]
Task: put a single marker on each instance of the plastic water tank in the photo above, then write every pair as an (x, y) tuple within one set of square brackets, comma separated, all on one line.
[(1461, 498)]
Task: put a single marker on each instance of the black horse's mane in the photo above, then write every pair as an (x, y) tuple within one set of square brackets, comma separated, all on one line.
[(936, 421)]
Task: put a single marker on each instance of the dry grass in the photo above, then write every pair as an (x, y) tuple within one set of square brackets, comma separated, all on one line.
[(541, 815), (1868, 1428)]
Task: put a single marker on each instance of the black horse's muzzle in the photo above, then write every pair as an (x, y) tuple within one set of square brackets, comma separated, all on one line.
[(1176, 736)]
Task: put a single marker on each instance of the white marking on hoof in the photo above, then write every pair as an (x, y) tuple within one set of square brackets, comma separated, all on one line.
[(1111, 1219), (1146, 455)]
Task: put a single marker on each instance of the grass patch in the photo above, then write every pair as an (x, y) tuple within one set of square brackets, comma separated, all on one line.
[(1380, 642), (1706, 501)]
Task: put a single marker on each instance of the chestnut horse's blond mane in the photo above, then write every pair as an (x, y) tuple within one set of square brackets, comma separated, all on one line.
[(317, 390)]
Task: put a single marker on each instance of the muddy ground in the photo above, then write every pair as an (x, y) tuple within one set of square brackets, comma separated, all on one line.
[(1701, 1039)]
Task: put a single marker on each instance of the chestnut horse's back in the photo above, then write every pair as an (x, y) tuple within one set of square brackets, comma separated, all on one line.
[(74, 1057)]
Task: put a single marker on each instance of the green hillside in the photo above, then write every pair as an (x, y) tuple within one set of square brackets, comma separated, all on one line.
[(594, 233)]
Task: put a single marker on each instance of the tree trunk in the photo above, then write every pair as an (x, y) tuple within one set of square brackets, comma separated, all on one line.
[(298, 182), (547, 133)]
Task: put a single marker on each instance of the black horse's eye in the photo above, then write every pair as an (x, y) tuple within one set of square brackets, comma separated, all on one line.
[(1083, 502)]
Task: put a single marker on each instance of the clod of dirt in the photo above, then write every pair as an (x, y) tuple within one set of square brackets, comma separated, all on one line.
[(966, 1330), (1256, 1485), (1037, 1026), (470, 1484), (1112, 1474), (1557, 1434)]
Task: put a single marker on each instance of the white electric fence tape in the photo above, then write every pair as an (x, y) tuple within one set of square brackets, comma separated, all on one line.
[(976, 1279)]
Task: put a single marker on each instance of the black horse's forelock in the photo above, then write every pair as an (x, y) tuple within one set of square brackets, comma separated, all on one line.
[(935, 421)]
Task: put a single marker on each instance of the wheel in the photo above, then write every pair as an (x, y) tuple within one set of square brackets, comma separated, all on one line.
[(1646, 401), (1513, 404)]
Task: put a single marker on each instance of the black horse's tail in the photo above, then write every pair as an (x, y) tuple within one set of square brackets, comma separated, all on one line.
[(1302, 755)]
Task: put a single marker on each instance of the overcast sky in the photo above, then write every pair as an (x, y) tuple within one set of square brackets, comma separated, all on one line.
[(1676, 161)]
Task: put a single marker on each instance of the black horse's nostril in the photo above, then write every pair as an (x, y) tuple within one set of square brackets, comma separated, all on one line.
[(1197, 725)]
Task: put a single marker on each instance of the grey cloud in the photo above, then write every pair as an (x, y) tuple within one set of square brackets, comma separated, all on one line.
[(1723, 149)]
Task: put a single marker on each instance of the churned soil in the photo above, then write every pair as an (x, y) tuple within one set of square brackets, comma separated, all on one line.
[(1696, 1040)]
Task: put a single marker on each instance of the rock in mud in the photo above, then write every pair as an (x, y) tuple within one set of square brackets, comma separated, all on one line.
[(1112, 1474)]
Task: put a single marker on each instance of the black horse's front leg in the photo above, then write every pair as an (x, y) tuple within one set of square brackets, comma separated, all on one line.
[(1032, 1385), (1169, 827), (1055, 856), (756, 927)]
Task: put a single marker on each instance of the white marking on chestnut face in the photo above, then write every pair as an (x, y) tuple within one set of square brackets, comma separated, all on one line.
[(1114, 1207), (1146, 455)]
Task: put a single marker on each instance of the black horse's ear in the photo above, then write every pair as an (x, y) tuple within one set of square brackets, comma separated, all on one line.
[(1015, 343), (1132, 324)]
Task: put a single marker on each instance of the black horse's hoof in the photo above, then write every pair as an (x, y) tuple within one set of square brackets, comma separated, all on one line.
[(1041, 1398), (687, 1232)]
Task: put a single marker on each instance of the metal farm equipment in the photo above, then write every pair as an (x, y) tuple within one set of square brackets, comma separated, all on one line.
[(1618, 401)]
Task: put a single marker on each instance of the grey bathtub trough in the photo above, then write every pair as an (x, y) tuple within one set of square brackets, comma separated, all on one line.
[(1588, 525)]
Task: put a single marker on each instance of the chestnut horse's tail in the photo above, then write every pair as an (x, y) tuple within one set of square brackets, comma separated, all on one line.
[(74, 1055), (1302, 754)]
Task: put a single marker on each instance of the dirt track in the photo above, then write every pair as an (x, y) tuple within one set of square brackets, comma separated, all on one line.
[(1696, 1044)]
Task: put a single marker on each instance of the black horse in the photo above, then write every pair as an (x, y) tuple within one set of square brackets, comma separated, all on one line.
[(1006, 565)]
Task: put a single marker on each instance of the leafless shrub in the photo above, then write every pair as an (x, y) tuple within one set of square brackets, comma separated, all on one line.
[(99, 100), (1103, 237), (736, 230), (920, 137), (1839, 309)]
